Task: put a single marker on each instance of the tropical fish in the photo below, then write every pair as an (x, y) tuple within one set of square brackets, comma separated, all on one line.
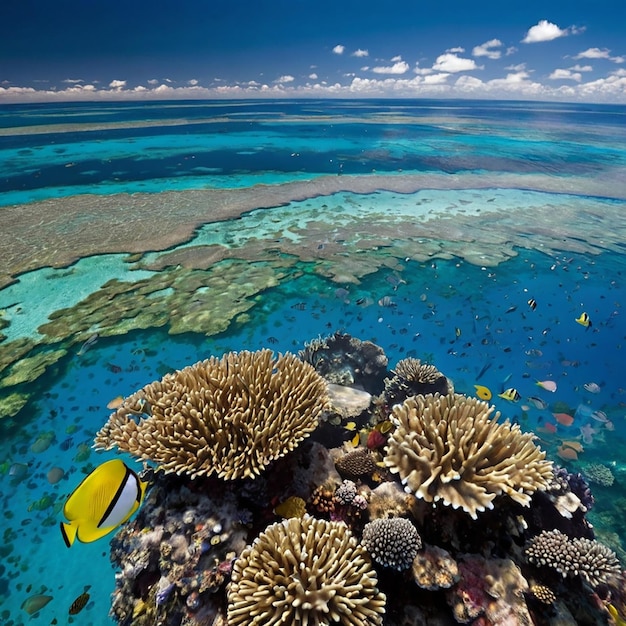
[(54, 475), (375, 439), (600, 416), (116, 403), (350, 426), (538, 402), (619, 621), (584, 320), (510, 394), (574, 445), (511, 309), (567, 454), (592, 387), (548, 385), (88, 344), (587, 432), (484, 368), (565, 419), (66, 444), (293, 506), (104, 500), (548, 427), (484, 393), (532, 303), (457, 332), (386, 301), (79, 603), (35, 603)]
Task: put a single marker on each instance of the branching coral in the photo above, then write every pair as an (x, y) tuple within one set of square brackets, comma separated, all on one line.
[(448, 449), (230, 416), (306, 571), (592, 560)]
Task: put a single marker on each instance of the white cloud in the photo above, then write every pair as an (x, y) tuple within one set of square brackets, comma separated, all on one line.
[(360, 53), (285, 79), (488, 49), (313, 76), (456, 50), (510, 50), (339, 49), (436, 79), (153, 81), (117, 84), (396, 58), (452, 63), (193, 82), (400, 67), (544, 31), (73, 81), (520, 67), (599, 53), (561, 74), (581, 68)]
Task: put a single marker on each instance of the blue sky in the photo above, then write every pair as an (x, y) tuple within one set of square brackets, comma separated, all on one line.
[(571, 50)]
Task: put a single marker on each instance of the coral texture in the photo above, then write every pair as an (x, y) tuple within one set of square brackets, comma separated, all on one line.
[(411, 378), (599, 474), (307, 572), (392, 542), (230, 416), (593, 561), (448, 449), (434, 568)]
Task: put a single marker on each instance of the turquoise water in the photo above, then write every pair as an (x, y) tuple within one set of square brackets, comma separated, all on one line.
[(457, 267)]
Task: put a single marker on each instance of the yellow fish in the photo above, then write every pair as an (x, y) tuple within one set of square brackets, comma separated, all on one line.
[(484, 393), (584, 320), (619, 621), (511, 394), (104, 500)]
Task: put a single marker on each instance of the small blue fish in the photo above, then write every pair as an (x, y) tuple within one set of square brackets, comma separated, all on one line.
[(67, 444)]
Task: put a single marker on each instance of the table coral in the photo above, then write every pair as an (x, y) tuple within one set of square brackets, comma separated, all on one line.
[(230, 416)]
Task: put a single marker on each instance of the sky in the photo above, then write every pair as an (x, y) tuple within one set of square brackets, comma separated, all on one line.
[(61, 50)]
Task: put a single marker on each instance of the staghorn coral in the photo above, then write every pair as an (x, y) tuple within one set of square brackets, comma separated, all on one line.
[(230, 416), (591, 560), (411, 378), (307, 572), (392, 542), (446, 448)]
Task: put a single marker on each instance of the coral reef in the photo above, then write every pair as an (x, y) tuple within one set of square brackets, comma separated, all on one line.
[(345, 360), (448, 449), (592, 561), (392, 542), (207, 547), (411, 377), (304, 571), (230, 416), (599, 474), (434, 568)]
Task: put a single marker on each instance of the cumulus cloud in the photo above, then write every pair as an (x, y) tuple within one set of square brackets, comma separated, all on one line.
[(564, 74), (399, 67), (193, 82), (451, 63), (581, 68), (488, 49), (599, 53), (73, 81), (117, 84), (339, 49), (547, 31), (360, 53), (313, 76), (285, 79)]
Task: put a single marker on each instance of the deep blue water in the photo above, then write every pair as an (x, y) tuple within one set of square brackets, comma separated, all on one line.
[(472, 321)]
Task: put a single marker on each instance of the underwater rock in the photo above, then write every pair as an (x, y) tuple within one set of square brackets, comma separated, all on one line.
[(348, 401), (11, 404), (434, 568), (29, 368)]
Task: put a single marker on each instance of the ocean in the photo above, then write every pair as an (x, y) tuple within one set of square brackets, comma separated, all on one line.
[(486, 238)]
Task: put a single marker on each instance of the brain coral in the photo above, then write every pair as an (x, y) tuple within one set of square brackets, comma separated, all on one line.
[(446, 448), (307, 572), (230, 416)]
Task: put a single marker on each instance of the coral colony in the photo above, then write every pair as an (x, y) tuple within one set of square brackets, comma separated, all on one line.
[(271, 502)]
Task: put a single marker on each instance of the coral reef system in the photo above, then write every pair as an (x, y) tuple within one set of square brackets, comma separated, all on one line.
[(267, 506)]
